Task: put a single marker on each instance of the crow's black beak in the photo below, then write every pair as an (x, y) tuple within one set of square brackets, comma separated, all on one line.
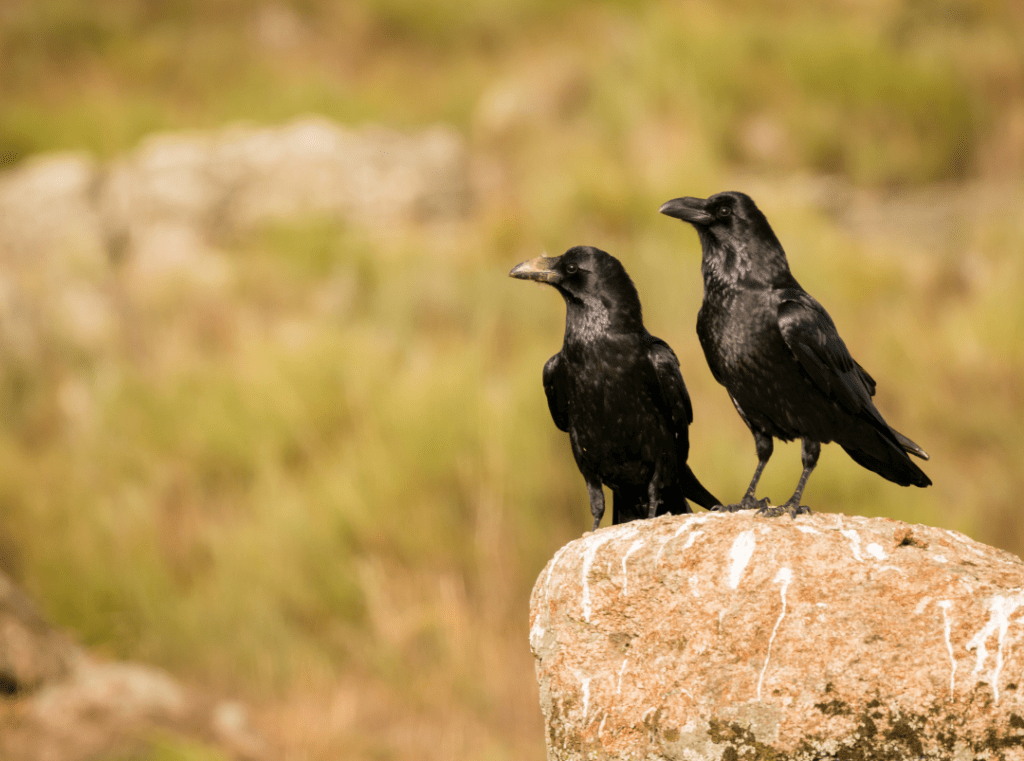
[(692, 210), (541, 269)]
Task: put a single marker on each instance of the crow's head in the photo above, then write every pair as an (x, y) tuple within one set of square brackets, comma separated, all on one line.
[(723, 216), (735, 236), (591, 281)]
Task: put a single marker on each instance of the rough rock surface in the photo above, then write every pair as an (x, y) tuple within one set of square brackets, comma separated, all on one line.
[(184, 189), (83, 244), (57, 703), (31, 652), (741, 637)]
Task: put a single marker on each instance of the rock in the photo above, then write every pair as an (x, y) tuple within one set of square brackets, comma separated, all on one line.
[(314, 166), (242, 176), (164, 205), (201, 184), (101, 710), (734, 636), (47, 212), (51, 235), (31, 652), (82, 242), (58, 703)]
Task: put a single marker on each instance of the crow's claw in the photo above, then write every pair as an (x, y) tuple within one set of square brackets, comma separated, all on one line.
[(795, 510), (787, 509), (744, 504)]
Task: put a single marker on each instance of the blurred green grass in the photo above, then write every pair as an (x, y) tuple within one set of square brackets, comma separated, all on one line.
[(339, 467)]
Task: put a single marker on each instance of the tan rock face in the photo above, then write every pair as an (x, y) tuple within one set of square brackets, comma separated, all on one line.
[(57, 703), (738, 637), (83, 242), (31, 652)]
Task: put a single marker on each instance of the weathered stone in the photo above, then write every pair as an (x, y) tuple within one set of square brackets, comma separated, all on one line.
[(31, 652), (47, 213), (242, 176), (82, 242), (57, 703), (741, 637)]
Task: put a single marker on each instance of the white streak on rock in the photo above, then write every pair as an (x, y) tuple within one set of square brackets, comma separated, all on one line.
[(593, 544), (537, 630), (622, 668), (688, 525), (637, 544), (740, 554), (681, 529), (1000, 610), (921, 605), (854, 538), (941, 558), (536, 634), (690, 539), (875, 551), (944, 604), (586, 698), (600, 727), (784, 576), (551, 567), (807, 530), (890, 568)]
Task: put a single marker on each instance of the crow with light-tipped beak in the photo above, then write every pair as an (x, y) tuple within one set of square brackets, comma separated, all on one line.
[(617, 391)]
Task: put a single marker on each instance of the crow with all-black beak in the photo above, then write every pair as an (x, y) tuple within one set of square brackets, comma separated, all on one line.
[(778, 353)]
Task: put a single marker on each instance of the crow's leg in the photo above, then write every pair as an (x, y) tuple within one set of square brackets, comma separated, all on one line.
[(809, 451), (764, 446), (596, 502), (653, 492)]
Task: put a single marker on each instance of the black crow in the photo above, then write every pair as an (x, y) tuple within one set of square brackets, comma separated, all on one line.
[(617, 391), (778, 353)]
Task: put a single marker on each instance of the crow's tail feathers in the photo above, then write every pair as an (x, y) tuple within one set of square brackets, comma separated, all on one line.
[(887, 456), (633, 503), (909, 446), (694, 489)]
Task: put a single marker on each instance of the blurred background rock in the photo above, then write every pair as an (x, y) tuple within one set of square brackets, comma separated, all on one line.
[(270, 409)]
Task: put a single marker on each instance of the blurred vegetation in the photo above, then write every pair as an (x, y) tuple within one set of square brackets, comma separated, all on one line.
[(336, 476)]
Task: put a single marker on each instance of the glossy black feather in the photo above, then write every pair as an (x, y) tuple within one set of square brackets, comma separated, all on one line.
[(777, 351), (617, 390)]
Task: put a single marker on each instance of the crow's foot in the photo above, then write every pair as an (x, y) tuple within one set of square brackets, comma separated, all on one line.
[(747, 503), (787, 509), (795, 510)]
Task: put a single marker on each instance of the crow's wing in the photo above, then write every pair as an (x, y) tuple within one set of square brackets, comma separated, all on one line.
[(673, 390), (673, 393), (555, 386), (812, 337)]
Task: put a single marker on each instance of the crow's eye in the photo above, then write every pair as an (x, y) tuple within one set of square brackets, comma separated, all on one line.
[(724, 211), (571, 269)]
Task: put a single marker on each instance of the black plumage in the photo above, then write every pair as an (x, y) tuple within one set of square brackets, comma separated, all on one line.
[(778, 353), (617, 391)]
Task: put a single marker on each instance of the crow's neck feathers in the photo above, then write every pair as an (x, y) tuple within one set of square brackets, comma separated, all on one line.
[(750, 257), (610, 305)]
